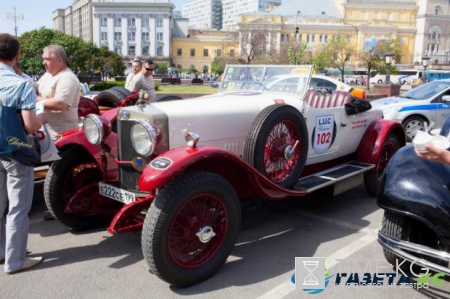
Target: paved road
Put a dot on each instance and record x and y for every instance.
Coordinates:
(98, 265)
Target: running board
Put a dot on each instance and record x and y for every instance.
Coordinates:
(332, 176)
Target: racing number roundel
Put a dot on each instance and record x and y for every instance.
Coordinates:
(323, 133)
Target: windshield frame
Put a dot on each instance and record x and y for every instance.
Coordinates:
(251, 78)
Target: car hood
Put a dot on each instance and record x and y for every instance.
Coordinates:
(215, 117)
(389, 102)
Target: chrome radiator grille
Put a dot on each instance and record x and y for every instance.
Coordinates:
(128, 176)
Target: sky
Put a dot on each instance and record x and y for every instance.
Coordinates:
(38, 13)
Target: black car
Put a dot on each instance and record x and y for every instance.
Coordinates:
(415, 196)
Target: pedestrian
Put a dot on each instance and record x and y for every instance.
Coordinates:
(136, 68)
(144, 80)
(59, 92)
(19, 72)
(16, 180)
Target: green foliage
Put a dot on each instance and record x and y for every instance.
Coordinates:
(295, 53)
(191, 70)
(83, 58)
(106, 85)
(218, 65)
(162, 67)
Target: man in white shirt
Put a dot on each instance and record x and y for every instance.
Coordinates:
(59, 91)
(136, 68)
(144, 80)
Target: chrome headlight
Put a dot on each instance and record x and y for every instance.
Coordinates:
(143, 138)
(93, 129)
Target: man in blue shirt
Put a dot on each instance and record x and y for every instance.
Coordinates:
(16, 180)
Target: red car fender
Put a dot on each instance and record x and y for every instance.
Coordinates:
(246, 180)
(76, 136)
(369, 149)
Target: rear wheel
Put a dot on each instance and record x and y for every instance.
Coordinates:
(191, 228)
(66, 177)
(277, 144)
(372, 178)
(413, 124)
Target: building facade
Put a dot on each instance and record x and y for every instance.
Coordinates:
(203, 14)
(233, 8)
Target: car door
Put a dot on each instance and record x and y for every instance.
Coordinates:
(441, 109)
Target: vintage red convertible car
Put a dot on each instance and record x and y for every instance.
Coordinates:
(179, 170)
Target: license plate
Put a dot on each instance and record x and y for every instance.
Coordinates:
(116, 193)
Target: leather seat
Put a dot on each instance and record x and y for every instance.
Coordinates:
(338, 98)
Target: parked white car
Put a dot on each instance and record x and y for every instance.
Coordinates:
(420, 105)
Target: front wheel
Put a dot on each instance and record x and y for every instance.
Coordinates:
(191, 228)
(372, 178)
(75, 171)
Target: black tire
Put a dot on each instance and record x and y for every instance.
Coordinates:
(123, 90)
(372, 178)
(166, 98)
(395, 226)
(66, 176)
(379, 81)
(281, 125)
(110, 98)
(412, 124)
(406, 229)
(187, 205)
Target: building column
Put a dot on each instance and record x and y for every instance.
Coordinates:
(152, 35)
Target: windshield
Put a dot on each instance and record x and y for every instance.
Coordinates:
(426, 91)
(285, 78)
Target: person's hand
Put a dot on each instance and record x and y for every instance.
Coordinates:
(435, 154)
(43, 117)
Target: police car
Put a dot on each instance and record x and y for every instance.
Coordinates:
(420, 105)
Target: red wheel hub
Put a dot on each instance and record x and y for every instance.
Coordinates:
(197, 230)
(283, 135)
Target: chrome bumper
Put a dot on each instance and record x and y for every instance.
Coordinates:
(398, 248)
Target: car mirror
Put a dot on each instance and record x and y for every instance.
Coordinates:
(446, 98)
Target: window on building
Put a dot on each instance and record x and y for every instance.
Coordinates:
(145, 36)
(159, 22)
(219, 52)
(232, 53)
(323, 38)
(118, 50)
(282, 37)
(205, 52)
(179, 52)
(117, 22)
(117, 35)
(159, 37)
(159, 51)
(132, 51)
(436, 9)
(145, 22)
(145, 50)
(131, 36)
(299, 37)
(103, 22)
(104, 36)
(192, 52)
(310, 38)
(131, 22)
(287, 37)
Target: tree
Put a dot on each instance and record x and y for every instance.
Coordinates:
(296, 52)
(336, 53)
(84, 58)
(373, 56)
(254, 44)
(218, 65)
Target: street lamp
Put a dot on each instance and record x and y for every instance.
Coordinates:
(14, 17)
(388, 56)
(425, 60)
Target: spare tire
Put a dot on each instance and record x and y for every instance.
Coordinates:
(277, 144)
(110, 98)
(123, 90)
